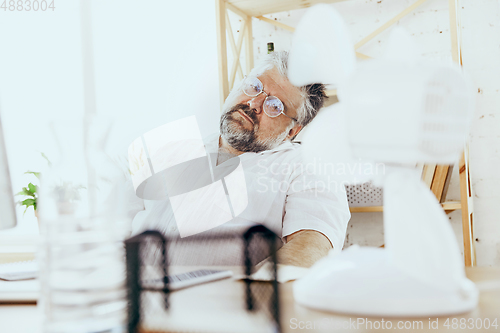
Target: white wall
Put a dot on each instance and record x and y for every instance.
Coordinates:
(155, 61)
(429, 24)
(481, 59)
(40, 79)
(148, 53)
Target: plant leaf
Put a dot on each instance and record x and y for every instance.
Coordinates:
(28, 202)
(36, 174)
(27, 192)
(32, 188)
(24, 192)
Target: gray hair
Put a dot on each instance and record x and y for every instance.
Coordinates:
(313, 95)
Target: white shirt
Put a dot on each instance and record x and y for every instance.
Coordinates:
(285, 194)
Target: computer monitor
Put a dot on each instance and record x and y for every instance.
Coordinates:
(7, 208)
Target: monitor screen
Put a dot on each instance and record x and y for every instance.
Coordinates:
(7, 209)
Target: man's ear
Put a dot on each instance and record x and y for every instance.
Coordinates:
(294, 131)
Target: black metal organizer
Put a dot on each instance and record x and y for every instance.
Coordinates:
(135, 264)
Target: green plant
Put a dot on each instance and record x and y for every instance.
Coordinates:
(30, 191)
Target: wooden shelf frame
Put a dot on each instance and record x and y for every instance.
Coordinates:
(448, 207)
(435, 176)
(225, 33)
(248, 9)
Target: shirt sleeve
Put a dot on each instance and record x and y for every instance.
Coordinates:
(317, 202)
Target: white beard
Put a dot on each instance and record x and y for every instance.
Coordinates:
(245, 140)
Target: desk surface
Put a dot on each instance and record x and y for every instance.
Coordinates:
(222, 301)
(224, 298)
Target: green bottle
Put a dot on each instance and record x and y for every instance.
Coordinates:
(270, 47)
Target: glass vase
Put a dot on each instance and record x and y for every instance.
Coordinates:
(83, 225)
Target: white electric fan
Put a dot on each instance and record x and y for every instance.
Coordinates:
(399, 111)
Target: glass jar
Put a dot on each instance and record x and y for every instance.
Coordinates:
(83, 226)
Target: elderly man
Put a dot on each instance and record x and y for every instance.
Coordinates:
(260, 118)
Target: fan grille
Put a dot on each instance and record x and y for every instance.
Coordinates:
(364, 195)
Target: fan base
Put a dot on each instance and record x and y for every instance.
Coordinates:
(361, 281)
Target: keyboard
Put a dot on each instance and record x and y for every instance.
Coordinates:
(22, 270)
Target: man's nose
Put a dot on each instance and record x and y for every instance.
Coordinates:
(257, 102)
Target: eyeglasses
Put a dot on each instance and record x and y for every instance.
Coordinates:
(273, 106)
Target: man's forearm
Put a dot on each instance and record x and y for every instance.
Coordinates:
(304, 248)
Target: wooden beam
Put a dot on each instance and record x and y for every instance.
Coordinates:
(439, 180)
(220, 21)
(241, 38)
(229, 30)
(362, 56)
(455, 50)
(292, 29)
(447, 206)
(249, 46)
(237, 63)
(366, 209)
(466, 195)
(428, 174)
(248, 34)
(237, 11)
(451, 205)
(447, 184)
(388, 24)
(263, 7)
(236, 52)
(467, 211)
(276, 23)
